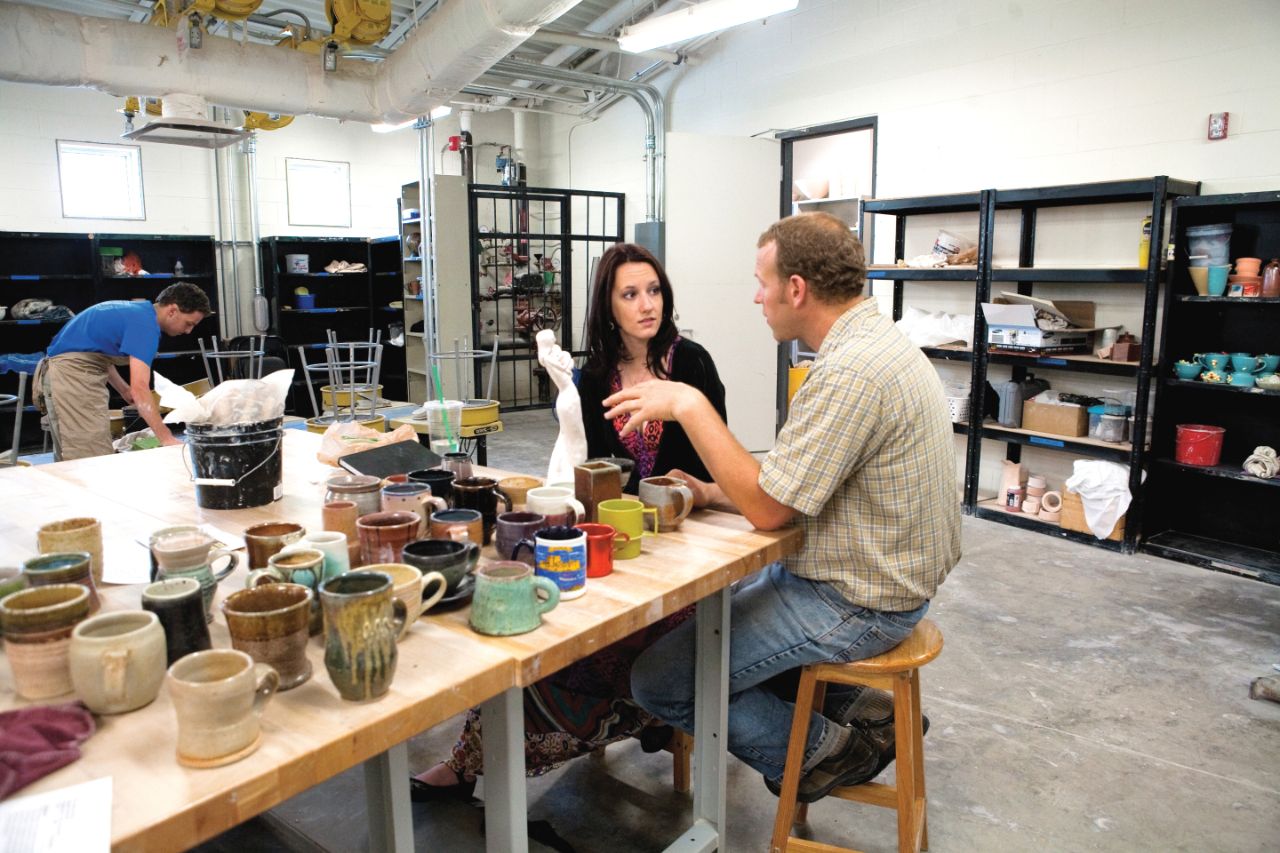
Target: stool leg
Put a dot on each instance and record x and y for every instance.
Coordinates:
(795, 760)
(918, 736)
(904, 725)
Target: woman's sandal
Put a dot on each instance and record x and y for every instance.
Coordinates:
(461, 791)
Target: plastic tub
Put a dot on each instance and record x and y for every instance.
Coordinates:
(1213, 241)
(1199, 444)
(297, 263)
(305, 301)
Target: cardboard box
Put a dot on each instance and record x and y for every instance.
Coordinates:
(1055, 418)
(1011, 325)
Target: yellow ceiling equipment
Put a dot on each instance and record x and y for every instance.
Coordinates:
(363, 21)
(265, 121)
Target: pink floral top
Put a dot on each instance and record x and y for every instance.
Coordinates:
(641, 445)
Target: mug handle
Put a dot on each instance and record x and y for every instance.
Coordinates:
(549, 587)
(523, 543)
(427, 579)
(686, 502)
(473, 556)
(231, 564)
(266, 681)
(258, 577)
(651, 513)
(504, 497)
(115, 664)
(580, 512)
(399, 617)
(620, 539)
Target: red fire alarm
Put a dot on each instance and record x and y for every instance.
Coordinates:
(455, 143)
(1218, 125)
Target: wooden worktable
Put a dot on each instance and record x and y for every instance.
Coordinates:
(309, 733)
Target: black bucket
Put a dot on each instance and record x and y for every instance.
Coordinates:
(238, 465)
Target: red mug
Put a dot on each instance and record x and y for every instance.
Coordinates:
(600, 544)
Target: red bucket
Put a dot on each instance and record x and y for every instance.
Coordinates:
(1199, 444)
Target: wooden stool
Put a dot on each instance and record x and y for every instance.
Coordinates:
(681, 748)
(897, 670)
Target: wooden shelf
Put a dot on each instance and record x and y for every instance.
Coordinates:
(993, 510)
(1083, 444)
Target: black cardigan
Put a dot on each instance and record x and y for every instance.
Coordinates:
(690, 364)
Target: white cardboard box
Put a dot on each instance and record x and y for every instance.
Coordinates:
(1013, 326)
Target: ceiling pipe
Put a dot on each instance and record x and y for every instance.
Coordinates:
(608, 44)
(54, 48)
(491, 90)
(649, 99)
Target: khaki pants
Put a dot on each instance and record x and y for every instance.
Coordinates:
(74, 385)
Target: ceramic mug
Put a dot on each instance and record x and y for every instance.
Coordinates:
(452, 559)
(1268, 363)
(602, 539)
(384, 534)
(218, 697)
(594, 482)
(117, 661)
(458, 463)
(175, 550)
(511, 528)
(560, 555)
(458, 524)
(671, 497)
(557, 503)
(412, 497)
(409, 583)
(207, 578)
(1214, 361)
(629, 516)
(333, 544)
(179, 605)
(340, 516)
(1187, 369)
(271, 624)
(481, 494)
(507, 600)
(63, 568)
(37, 625)
(517, 488)
(189, 529)
(263, 540)
(440, 481)
(362, 619)
(71, 535)
(1241, 379)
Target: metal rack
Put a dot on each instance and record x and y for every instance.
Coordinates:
(352, 368)
(214, 357)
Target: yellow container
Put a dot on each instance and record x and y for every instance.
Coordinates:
(318, 425)
(479, 412)
(795, 376)
(363, 394)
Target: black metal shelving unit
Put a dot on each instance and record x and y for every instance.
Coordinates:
(1028, 201)
(532, 259)
(387, 286)
(1217, 517)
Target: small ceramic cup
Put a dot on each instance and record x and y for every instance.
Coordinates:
(510, 599)
(362, 619)
(271, 623)
(263, 540)
(117, 660)
(218, 697)
(409, 584)
(452, 559)
(601, 541)
(384, 534)
(632, 518)
(179, 605)
(517, 488)
(459, 524)
(37, 625)
(74, 534)
(63, 568)
(671, 497)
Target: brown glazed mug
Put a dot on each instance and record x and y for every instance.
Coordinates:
(670, 496)
(481, 494)
(63, 568)
(362, 619)
(270, 623)
(37, 625)
(384, 534)
(517, 488)
(261, 541)
(341, 516)
(457, 524)
(74, 534)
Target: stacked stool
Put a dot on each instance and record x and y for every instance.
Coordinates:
(896, 671)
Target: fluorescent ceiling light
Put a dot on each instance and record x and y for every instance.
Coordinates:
(706, 17)
(438, 113)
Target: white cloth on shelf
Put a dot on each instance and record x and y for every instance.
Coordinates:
(934, 328)
(1104, 491)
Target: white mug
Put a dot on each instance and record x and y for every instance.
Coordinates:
(558, 504)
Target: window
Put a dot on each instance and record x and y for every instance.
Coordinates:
(319, 192)
(100, 181)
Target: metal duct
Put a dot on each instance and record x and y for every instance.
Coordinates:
(458, 43)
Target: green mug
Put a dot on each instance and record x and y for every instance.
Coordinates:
(628, 516)
(506, 600)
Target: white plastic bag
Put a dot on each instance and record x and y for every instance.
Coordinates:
(237, 401)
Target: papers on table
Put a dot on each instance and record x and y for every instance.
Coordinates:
(75, 819)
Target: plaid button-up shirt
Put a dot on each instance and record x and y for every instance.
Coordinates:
(867, 458)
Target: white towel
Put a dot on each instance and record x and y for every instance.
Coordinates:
(1104, 491)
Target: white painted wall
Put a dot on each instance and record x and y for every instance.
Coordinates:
(983, 93)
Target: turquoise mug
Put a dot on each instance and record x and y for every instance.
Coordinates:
(1241, 379)
(1268, 363)
(1243, 361)
(1186, 369)
(1215, 361)
(506, 600)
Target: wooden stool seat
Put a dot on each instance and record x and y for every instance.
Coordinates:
(898, 671)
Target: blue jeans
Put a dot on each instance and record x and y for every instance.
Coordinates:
(778, 623)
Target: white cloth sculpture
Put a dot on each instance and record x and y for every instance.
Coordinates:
(571, 445)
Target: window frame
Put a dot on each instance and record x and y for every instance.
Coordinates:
(307, 215)
(136, 157)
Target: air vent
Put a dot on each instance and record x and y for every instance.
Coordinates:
(195, 132)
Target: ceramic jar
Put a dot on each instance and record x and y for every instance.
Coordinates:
(117, 661)
(74, 534)
(364, 490)
(362, 619)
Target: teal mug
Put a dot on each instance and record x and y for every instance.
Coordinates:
(1268, 363)
(1215, 361)
(1246, 363)
(506, 600)
(1187, 369)
(1241, 379)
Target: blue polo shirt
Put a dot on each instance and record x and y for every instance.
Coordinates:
(112, 328)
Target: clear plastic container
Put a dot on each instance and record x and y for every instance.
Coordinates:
(444, 419)
(1209, 245)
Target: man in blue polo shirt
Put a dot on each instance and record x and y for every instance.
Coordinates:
(82, 361)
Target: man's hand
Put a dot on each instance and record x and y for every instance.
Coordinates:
(653, 400)
(169, 441)
(702, 494)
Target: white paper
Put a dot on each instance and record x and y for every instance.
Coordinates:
(75, 819)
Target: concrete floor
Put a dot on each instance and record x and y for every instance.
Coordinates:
(1084, 701)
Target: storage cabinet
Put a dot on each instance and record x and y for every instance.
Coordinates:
(388, 317)
(1217, 516)
(986, 280)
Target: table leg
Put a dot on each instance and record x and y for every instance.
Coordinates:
(17, 416)
(504, 786)
(482, 450)
(711, 722)
(386, 791)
